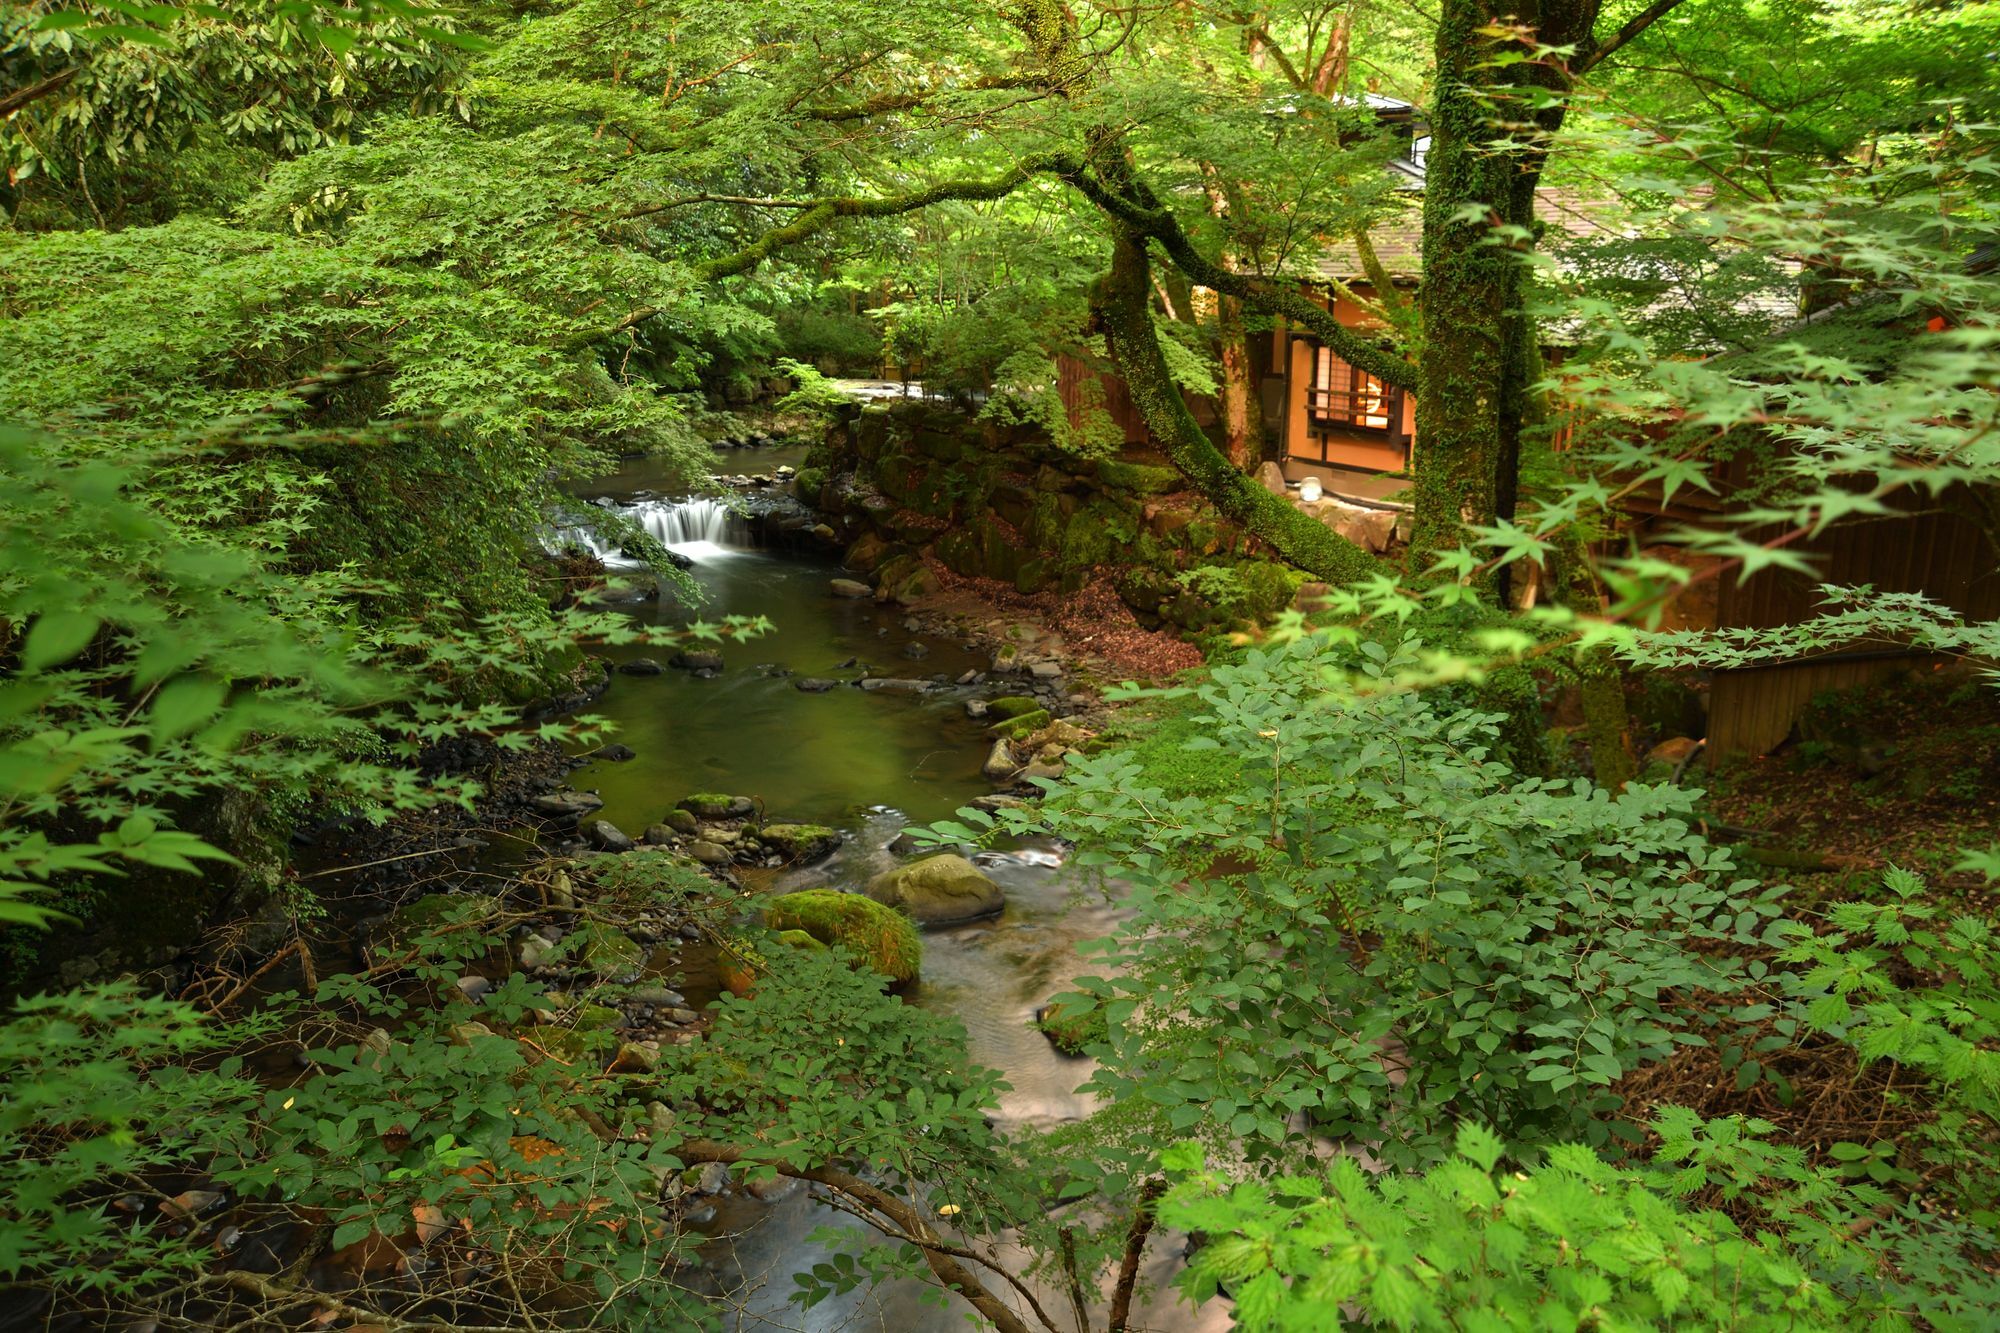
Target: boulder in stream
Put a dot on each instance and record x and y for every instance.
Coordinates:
(1069, 1028)
(850, 588)
(641, 666)
(939, 890)
(697, 659)
(567, 804)
(711, 853)
(800, 842)
(607, 836)
(1000, 765)
(714, 805)
(813, 685)
(883, 939)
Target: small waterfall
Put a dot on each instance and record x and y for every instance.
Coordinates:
(700, 528)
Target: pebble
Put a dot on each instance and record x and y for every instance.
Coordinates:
(472, 988)
(976, 708)
(659, 995)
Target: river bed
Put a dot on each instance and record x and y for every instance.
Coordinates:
(868, 763)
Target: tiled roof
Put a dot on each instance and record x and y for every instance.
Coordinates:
(1399, 239)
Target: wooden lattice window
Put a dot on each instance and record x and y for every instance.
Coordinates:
(1348, 398)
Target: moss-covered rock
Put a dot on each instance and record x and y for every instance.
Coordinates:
(1019, 728)
(1012, 705)
(800, 842)
(1070, 1031)
(867, 553)
(714, 805)
(883, 939)
(939, 890)
(907, 578)
(808, 484)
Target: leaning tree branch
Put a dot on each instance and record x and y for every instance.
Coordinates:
(1128, 1263)
(826, 211)
(814, 216)
(1124, 306)
(953, 1274)
(1377, 358)
(1633, 26)
(35, 92)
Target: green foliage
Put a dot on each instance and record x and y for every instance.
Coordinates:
(134, 85)
(95, 1096)
(1902, 982)
(811, 391)
(1392, 926)
(833, 342)
(1252, 590)
(1570, 1244)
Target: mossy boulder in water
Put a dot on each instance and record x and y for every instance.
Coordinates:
(800, 842)
(714, 805)
(1068, 1030)
(1013, 705)
(883, 939)
(1021, 727)
(939, 890)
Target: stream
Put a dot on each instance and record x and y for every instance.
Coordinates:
(868, 763)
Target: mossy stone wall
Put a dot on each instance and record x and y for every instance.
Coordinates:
(925, 481)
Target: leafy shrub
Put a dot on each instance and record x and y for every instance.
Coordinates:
(1378, 926)
(1572, 1244)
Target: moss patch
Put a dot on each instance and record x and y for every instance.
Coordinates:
(1012, 705)
(1016, 728)
(800, 842)
(884, 939)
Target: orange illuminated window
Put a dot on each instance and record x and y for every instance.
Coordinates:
(1343, 396)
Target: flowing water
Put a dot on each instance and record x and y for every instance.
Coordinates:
(869, 763)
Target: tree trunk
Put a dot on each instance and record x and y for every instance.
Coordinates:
(1123, 299)
(1242, 411)
(1476, 338)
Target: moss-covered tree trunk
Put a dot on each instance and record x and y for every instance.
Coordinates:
(1476, 339)
(1124, 306)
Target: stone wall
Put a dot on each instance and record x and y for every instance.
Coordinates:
(918, 484)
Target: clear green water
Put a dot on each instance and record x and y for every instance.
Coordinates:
(811, 758)
(867, 763)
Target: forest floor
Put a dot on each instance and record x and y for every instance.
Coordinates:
(1906, 773)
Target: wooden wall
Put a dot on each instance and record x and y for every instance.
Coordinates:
(1939, 547)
